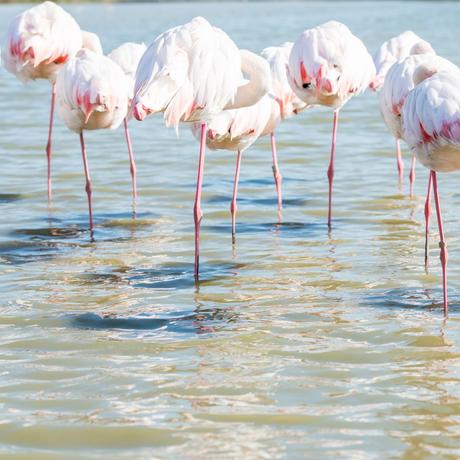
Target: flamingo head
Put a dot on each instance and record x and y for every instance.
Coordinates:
(376, 83)
(140, 111)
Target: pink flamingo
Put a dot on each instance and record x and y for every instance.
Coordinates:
(431, 120)
(327, 66)
(236, 130)
(289, 103)
(127, 56)
(398, 82)
(191, 73)
(389, 54)
(392, 51)
(92, 93)
(39, 42)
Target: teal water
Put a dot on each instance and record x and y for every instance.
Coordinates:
(296, 344)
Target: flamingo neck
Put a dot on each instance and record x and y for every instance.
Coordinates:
(257, 71)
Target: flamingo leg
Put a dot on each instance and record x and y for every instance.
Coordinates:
(427, 219)
(233, 207)
(276, 173)
(442, 243)
(88, 182)
(412, 176)
(131, 161)
(330, 170)
(197, 212)
(49, 144)
(399, 160)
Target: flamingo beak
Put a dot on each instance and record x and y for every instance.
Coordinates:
(88, 115)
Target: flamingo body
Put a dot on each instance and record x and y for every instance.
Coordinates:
(128, 56)
(328, 65)
(395, 49)
(278, 59)
(92, 92)
(431, 117)
(237, 129)
(399, 82)
(190, 72)
(39, 41)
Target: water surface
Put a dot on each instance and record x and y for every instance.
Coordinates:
(296, 344)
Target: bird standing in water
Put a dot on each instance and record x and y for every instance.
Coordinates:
(92, 93)
(288, 103)
(431, 120)
(127, 56)
(39, 42)
(191, 73)
(327, 66)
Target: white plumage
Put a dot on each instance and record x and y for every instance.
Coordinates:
(39, 41)
(128, 56)
(431, 118)
(395, 49)
(237, 129)
(188, 69)
(192, 72)
(92, 92)
(328, 65)
(278, 59)
(399, 82)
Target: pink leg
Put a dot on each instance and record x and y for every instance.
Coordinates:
(330, 170)
(399, 160)
(276, 173)
(235, 192)
(412, 176)
(88, 181)
(131, 161)
(442, 243)
(197, 212)
(49, 145)
(427, 219)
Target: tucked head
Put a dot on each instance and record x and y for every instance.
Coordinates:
(422, 47)
(424, 71)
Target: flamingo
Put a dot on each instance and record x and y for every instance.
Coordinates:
(289, 103)
(327, 66)
(92, 93)
(91, 41)
(191, 73)
(39, 42)
(431, 120)
(392, 51)
(398, 82)
(127, 56)
(236, 130)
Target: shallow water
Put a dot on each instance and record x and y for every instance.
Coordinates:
(295, 344)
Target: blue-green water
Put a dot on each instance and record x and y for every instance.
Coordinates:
(297, 344)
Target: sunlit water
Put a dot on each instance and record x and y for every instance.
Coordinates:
(296, 343)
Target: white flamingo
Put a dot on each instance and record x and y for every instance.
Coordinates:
(392, 51)
(92, 93)
(431, 119)
(39, 42)
(327, 66)
(236, 130)
(398, 82)
(127, 56)
(289, 103)
(191, 73)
